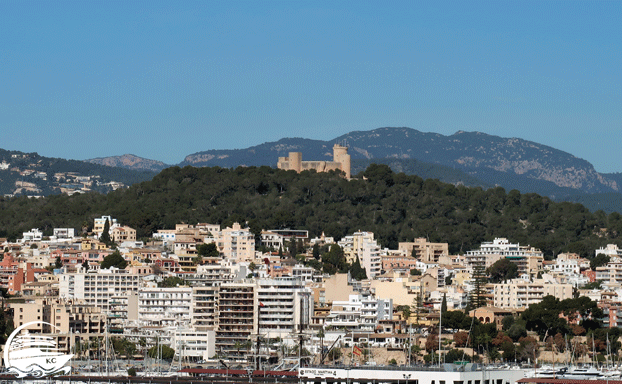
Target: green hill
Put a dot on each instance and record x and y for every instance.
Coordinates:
(396, 207)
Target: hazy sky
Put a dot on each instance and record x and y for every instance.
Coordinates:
(162, 80)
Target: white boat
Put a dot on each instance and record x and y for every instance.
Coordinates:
(582, 373)
(547, 372)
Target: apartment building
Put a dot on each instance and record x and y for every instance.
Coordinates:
(611, 273)
(424, 250)
(33, 235)
(610, 250)
(70, 319)
(96, 288)
(194, 345)
(236, 243)
(123, 308)
(361, 313)
(167, 236)
(100, 222)
(285, 306)
(12, 276)
(64, 233)
(398, 262)
(237, 317)
(528, 259)
(186, 240)
(165, 306)
(120, 234)
(306, 274)
(522, 293)
(272, 240)
(363, 246)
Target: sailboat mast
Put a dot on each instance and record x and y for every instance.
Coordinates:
(440, 326)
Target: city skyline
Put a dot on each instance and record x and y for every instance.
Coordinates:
(162, 80)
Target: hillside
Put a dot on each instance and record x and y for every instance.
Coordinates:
(33, 175)
(132, 162)
(493, 160)
(396, 207)
(423, 170)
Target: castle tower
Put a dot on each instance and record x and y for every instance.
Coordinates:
(340, 155)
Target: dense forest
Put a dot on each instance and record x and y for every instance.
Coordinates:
(396, 207)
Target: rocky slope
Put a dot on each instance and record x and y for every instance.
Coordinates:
(509, 162)
(130, 162)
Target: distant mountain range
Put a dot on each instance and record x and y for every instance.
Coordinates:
(469, 158)
(132, 162)
(28, 174)
(509, 162)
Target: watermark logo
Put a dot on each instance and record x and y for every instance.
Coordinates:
(35, 355)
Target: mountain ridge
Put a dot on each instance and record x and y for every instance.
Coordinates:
(468, 158)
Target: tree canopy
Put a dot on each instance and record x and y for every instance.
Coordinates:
(544, 317)
(502, 270)
(115, 259)
(394, 206)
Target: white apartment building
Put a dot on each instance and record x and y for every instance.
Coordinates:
(528, 259)
(194, 345)
(306, 274)
(96, 288)
(363, 246)
(165, 306)
(521, 293)
(285, 306)
(64, 233)
(167, 236)
(272, 240)
(361, 313)
(566, 267)
(456, 298)
(33, 235)
(100, 222)
(610, 250)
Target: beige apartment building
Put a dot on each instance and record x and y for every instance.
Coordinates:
(341, 162)
(236, 243)
(424, 250)
(187, 238)
(120, 234)
(237, 317)
(364, 246)
(521, 294)
(71, 319)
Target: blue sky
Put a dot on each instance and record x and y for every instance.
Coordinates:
(162, 80)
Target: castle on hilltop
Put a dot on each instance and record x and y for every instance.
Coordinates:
(341, 161)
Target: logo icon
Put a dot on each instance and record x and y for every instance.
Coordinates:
(33, 354)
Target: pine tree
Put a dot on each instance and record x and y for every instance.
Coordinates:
(105, 236)
(316, 251)
(477, 298)
(357, 271)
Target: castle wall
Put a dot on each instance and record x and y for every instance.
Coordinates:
(341, 161)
